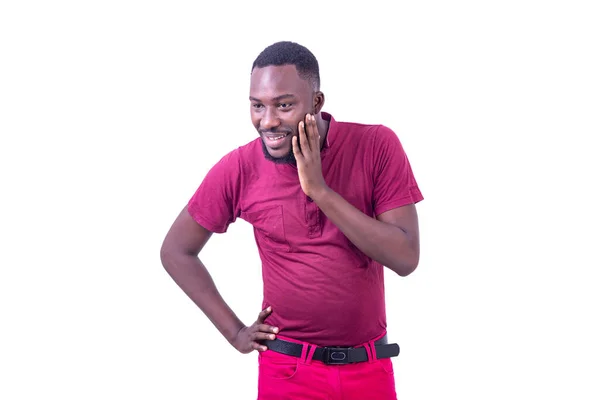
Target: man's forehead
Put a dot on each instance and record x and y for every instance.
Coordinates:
(273, 78)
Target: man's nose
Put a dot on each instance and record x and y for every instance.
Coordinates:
(270, 120)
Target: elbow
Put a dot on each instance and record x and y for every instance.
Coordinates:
(168, 255)
(172, 256)
(406, 269)
(165, 256)
(405, 266)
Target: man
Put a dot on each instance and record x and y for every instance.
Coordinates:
(331, 203)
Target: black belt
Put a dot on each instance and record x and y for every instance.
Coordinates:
(335, 354)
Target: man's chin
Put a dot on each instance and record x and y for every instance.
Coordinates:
(279, 156)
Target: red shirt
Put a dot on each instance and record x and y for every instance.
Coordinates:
(323, 290)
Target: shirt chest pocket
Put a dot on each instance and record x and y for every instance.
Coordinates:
(268, 228)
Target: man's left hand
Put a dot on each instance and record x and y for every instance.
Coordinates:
(308, 157)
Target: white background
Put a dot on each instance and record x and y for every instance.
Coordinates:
(112, 112)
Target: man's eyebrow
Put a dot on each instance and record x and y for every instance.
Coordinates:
(278, 98)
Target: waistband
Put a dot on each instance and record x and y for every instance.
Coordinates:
(335, 355)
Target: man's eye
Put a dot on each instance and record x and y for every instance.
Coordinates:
(257, 105)
(285, 105)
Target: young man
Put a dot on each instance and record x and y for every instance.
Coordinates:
(331, 203)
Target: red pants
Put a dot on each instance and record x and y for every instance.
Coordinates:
(283, 377)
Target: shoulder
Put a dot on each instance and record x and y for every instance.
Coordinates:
(356, 128)
(373, 136)
(361, 129)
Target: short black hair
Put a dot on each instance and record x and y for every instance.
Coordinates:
(290, 53)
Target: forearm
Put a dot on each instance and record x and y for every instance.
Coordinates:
(194, 279)
(385, 243)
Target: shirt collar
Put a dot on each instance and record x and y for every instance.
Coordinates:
(332, 131)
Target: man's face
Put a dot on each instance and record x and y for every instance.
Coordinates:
(279, 100)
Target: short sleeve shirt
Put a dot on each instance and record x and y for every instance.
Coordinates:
(322, 288)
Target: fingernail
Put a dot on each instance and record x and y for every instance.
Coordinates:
(272, 337)
(275, 330)
(269, 308)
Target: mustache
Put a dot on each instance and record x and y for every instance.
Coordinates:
(264, 131)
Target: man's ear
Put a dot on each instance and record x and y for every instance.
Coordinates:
(318, 102)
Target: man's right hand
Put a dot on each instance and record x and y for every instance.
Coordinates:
(248, 338)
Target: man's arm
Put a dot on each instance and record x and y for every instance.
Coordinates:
(392, 239)
(179, 256)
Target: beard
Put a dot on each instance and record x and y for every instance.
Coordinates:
(289, 158)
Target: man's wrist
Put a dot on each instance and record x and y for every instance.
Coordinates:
(321, 193)
(232, 333)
